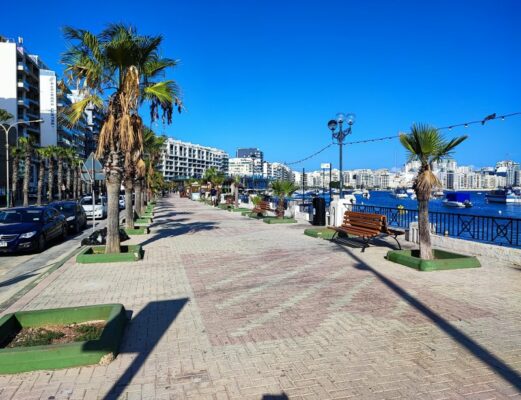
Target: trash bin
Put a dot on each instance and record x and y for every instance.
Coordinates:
(319, 211)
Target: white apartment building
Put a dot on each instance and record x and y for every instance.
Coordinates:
(244, 166)
(276, 171)
(184, 160)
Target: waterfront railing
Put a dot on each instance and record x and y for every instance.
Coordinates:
(502, 231)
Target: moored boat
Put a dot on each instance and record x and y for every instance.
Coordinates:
(504, 196)
(457, 200)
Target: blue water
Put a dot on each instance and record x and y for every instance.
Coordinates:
(480, 205)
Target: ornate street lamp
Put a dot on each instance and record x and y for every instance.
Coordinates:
(336, 126)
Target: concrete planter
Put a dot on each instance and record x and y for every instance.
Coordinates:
(275, 220)
(96, 254)
(138, 221)
(443, 260)
(144, 230)
(22, 359)
(323, 233)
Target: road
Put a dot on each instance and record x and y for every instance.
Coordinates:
(18, 270)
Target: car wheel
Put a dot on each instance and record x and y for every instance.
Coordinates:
(41, 243)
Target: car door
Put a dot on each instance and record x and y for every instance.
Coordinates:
(49, 224)
(80, 215)
(58, 219)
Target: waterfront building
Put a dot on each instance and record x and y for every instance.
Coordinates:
(70, 136)
(244, 166)
(276, 171)
(183, 160)
(507, 169)
(254, 154)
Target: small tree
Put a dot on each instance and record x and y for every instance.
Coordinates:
(426, 145)
(282, 189)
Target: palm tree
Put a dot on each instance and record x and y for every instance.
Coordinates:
(217, 181)
(51, 152)
(153, 146)
(236, 181)
(426, 145)
(27, 146)
(16, 154)
(281, 189)
(69, 155)
(61, 156)
(42, 153)
(119, 69)
(5, 116)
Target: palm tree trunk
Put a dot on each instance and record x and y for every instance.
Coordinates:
(236, 193)
(50, 180)
(27, 176)
(41, 176)
(113, 177)
(139, 197)
(129, 210)
(80, 191)
(60, 178)
(14, 183)
(280, 207)
(74, 184)
(424, 227)
(68, 182)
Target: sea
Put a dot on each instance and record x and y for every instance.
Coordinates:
(480, 205)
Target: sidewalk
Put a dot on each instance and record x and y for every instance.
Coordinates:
(226, 307)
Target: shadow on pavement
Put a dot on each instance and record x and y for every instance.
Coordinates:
(144, 332)
(18, 278)
(493, 362)
(282, 396)
(180, 229)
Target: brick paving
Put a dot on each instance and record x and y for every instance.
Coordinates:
(225, 307)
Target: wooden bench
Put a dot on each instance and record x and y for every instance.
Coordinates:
(262, 208)
(366, 226)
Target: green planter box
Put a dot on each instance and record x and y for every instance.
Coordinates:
(275, 220)
(144, 230)
(443, 260)
(96, 254)
(143, 221)
(323, 233)
(22, 359)
(249, 214)
(240, 209)
(147, 215)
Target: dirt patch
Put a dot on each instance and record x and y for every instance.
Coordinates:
(56, 334)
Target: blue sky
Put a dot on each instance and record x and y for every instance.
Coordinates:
(270, 74)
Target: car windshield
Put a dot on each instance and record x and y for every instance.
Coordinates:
(65, 207)
(16, 216)
(87, 201)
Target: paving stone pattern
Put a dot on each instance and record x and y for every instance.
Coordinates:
(226, 307)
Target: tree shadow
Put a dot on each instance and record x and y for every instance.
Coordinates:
(180, 229)
(17, 279)
(142, 335)
(481, 353)
(282, 396)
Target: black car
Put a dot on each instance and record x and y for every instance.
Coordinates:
(74, 214)
(30, 228)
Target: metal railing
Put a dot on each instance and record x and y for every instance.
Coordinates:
(502, 231)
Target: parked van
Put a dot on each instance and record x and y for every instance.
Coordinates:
(99, 211)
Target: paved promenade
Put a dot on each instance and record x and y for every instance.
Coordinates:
(226, 307)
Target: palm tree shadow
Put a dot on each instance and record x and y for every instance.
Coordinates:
(282, 396)
(143, 333)
(180, 229)
(481, 353)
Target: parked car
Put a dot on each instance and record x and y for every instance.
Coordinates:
(74, 214)
(121, 201)
(30, 228)
(99, 210)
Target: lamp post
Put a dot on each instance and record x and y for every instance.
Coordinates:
(6, 130)
(339, 135)
(253, 157)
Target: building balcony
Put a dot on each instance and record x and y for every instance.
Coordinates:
(23, 84)
(24, 103)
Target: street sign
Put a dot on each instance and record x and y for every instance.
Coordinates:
(92, 167)
(325, 166)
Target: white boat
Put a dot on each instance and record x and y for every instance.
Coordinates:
(366, 194)
(400, 194)
(359, 192)
(504, 196)
(457, 200)
(413, 196)
(437, 194)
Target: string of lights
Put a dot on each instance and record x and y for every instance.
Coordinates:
(482, 122)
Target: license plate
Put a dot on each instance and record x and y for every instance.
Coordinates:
(3, 244)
